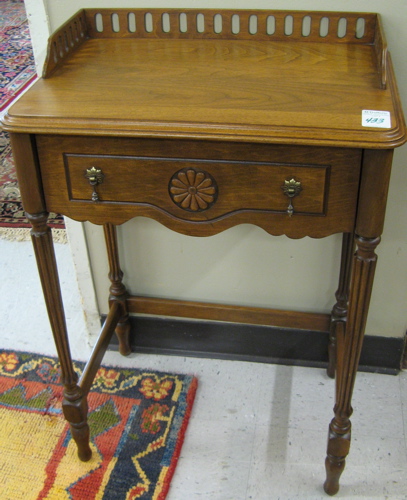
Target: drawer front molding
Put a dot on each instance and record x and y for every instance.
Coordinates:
(201, 191)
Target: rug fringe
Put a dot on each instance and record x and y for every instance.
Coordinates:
(23, 234)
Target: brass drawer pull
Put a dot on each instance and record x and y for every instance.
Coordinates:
(95, 176)
(291, 188)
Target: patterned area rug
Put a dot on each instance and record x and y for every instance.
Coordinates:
(17, 71)
(137, 420)
(17, 66)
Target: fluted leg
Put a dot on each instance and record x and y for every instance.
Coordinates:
(340, 309)
(364, 264)
(74, 404)
(117, 289)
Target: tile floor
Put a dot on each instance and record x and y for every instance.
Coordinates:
(257, 432)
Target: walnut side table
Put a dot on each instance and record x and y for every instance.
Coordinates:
(202, 120)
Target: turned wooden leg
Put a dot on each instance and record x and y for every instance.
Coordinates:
(340, 309)
(74, 404)
(117, 289)
(350, 346)
(75, 408)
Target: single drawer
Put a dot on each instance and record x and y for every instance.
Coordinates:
(119, 179)
(197, 189)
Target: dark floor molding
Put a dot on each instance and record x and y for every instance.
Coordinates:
(210, 339)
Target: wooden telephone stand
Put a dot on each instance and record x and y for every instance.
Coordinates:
(202, 120)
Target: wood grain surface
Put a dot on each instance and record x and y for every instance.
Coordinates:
(231, 108)
(281, 92)
(138, 173)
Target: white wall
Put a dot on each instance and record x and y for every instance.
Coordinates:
(244, 265)
(40, 30)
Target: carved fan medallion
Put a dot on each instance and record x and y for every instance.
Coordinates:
(193, 190)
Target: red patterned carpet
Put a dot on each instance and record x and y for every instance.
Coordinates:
(17, 66)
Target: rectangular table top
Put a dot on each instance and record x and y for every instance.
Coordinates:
(247, 90)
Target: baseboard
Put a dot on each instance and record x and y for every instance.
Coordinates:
(219, 340)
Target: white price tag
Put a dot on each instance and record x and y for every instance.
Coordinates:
(378, 119)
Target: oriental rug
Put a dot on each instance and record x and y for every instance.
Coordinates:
(137, 419)
(17, 66)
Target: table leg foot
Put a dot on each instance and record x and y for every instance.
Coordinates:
(338, 449)
(123, 335)
(334, 470)
(80, 434)
(75, 408)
